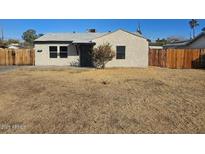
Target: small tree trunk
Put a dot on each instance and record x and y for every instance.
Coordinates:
(103, 66)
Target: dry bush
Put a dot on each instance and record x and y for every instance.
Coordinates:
(102, 54)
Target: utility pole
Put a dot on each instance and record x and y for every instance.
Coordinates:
(2, 34)
(139, 29)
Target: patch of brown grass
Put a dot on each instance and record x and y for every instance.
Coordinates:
(117, 100)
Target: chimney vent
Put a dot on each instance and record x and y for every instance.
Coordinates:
(91, 30)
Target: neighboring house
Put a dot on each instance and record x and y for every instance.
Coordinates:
(72, 48)
(155, 47)
(197, 42)
(14, 46)
(175, 45)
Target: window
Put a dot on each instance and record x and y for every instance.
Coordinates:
(53, 51)
(63, 51)
(120, 52)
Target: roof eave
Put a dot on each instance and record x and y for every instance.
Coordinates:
(121, 30)
(200, 35)
(51, 41)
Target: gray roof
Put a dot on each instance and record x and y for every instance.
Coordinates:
(196, 38)
(185, 43)
(176, 44)
(75, 37)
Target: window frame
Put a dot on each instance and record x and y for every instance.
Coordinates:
(120, 54)
(53, 52)
(61, 52)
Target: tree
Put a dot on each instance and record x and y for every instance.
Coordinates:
(172, 39)
(10, 41)
(193, 24)
(161, 42)
(102, 54)
(29, 36)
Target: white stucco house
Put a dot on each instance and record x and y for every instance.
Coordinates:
(73, 48)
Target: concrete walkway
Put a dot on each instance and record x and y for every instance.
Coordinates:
(5, 69)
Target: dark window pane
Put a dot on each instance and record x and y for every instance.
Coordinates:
(63, 54)
(53, 51)
(53, 48)
(53, 55)
(63, 48)
(63, 51)
(120, 52)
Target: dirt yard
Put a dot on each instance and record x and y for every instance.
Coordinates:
(63, 100)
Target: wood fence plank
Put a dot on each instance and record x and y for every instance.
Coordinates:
(17, 57)
(177, 58)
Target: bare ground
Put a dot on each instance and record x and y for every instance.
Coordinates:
(153, 100)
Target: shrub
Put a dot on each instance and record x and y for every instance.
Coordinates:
(102, 54)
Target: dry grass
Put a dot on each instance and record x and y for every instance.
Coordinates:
(153, 100)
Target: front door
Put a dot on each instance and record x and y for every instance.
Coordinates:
(85, 56)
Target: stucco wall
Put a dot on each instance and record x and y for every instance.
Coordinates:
(43, 58)
(136, 53)
(199, 43)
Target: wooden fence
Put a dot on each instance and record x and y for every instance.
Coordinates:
(17, 57)
(177, 58)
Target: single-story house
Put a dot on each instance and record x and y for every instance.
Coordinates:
(155, 47)
(197, 42)
(178, 44)
(14, 46)
(73, 48)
